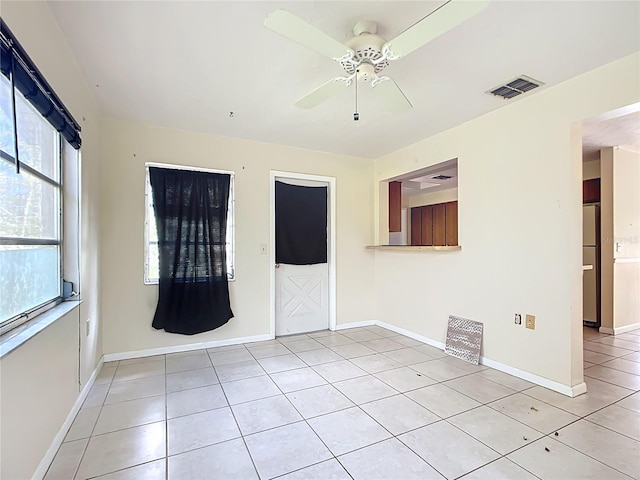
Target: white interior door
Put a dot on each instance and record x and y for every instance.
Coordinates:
(302, 291)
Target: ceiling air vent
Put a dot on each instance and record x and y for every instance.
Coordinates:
(516, 87)
(441, 177)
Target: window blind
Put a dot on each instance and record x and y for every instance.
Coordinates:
(15, 62)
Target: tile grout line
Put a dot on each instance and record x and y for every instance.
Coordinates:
(496, 460)
(398, 393)
(580, 452)
(84, 450)
(273, 428)
(305, 420)
(487, 405)
(166, 423)
(233, 414)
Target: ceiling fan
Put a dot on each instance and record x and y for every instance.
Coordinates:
(365, 55)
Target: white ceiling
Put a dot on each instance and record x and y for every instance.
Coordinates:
(187, 64)
(623, 131)
(422, 181)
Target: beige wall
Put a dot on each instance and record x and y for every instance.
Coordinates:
(520, 235)
(620, 208)
(39, 386)
(449, 195)
(626, 203)
(626, 233)
(128, 305)
(45, 369)
(591, 169)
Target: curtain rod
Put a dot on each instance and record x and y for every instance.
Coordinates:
(186, 167)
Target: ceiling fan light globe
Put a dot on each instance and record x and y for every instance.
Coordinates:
(366, 72)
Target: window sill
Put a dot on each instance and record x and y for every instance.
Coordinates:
(16, 337)
(155, 282)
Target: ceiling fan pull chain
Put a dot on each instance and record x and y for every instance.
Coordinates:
(356, 115)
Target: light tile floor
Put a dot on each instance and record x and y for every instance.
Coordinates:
(364, 403)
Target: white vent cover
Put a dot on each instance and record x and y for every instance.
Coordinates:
(515, 87)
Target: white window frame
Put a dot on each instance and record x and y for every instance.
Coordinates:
(7, 324)
(231, 224)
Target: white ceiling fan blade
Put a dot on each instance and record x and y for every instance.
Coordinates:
(433, 25)
(322, 93)
(392, 97)
(299, 31)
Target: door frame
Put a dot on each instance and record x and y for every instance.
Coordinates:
(331, 241)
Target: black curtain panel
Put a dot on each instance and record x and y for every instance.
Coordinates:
(191, 218)
(301, 224)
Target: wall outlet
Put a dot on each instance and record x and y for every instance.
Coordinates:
(518, 319)
(530, 322)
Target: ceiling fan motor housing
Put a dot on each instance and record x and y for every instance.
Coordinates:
(367, 49)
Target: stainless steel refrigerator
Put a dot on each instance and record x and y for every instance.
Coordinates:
(591, 257)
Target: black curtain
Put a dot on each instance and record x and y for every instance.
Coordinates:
(301, 224)
(191, 218)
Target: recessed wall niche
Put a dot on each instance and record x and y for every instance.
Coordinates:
(424, 205)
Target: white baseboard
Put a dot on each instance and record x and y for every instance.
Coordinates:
(619, 330)
(112, 357)
(537, 379)
(365, 323)
(578, 389)
(410, 334)
(516, 372)
(48, 457)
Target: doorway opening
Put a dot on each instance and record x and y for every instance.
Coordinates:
(610, 177)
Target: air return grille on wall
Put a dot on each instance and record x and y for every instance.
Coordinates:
(515, 87)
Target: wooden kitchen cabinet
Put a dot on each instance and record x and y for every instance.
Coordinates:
(591, 191)
(435, 225)
(395, 206)
(451, 223)
(426, 233)
(416, 226)
(439, 224)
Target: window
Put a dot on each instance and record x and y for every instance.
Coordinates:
(39, 165)
(30, 210)
(151, 267)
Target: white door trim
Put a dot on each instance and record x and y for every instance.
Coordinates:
(331, 247)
